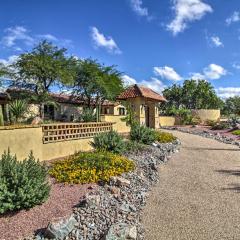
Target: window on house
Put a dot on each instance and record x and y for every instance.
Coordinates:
(106, 111)
(121, 111)
(49, 112)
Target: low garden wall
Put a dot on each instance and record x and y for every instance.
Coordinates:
(119, 125)
(167, 121)
(50, 141)
(207, 114)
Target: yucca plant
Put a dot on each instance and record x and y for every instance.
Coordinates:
(17, 109)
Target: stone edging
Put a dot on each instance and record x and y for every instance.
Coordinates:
(113, 210)
(206, 134)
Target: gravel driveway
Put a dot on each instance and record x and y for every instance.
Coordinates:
(198, 195)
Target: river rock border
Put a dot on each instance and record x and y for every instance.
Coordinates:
(112, 211)
(206, 134)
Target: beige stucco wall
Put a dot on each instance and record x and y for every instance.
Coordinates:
(119, 125)
(65, 148)
(207, 114)
(166, 121)
(23, 140)
(137, 106)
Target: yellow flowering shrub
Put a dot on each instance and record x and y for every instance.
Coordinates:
(164, 137)
(90, 167)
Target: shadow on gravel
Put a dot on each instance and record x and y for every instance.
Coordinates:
(209, 149)
(232, 187)
(229, 172)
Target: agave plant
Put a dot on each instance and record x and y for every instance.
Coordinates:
(17, 109)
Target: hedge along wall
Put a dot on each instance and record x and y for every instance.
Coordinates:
(50, 141)
(119, 125)
(207, 114)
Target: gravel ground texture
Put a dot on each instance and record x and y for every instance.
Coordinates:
(62, 199)
(198, 193)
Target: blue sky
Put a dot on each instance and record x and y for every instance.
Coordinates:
(153, 42)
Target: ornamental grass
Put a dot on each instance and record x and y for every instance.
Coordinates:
(90, 167)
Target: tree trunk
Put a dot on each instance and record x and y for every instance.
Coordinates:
(41, 111)
(6, 114)
(1, 116)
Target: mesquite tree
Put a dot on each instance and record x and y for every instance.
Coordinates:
(42, 68)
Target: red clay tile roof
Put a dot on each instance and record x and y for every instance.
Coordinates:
(58, 97)
(140, 91)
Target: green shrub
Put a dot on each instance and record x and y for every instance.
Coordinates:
(133, 146)
(109, 141)
(142, 134)
(211, 123)
(220, 126)
(236, 132)
(23, 184)
(88, 115)
(90, 167)
(164, 137)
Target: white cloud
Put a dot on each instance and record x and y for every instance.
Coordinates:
(226, 92)
(187, 11)
(10, 60)
(197, 76)
(167, 73)
(127, 80)
(138, 8)
(216, 41)
(214, 71)
(48, 37)
(155, 84)
(18, 35)
(105, 42)
(235, 17)
(14, 34)
(236, 65)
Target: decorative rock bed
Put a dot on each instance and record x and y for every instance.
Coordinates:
(204, 133)
(113, 211)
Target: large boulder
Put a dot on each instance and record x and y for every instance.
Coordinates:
(121, 231)
(60, 228)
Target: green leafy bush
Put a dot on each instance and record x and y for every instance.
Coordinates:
(133, 146)
(88, 115)
(142, 134)
(23, 184)
(236, 132)
(164, 137)
(211, 123)
(90, 167)
(109, 141)
(220, 126)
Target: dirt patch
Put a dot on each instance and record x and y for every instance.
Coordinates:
(63, 197)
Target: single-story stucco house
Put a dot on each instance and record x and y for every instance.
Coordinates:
(66, 109)
(145, 103)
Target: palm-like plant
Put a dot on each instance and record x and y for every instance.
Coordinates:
(17, 109)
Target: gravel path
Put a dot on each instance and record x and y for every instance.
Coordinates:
(198, 195)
